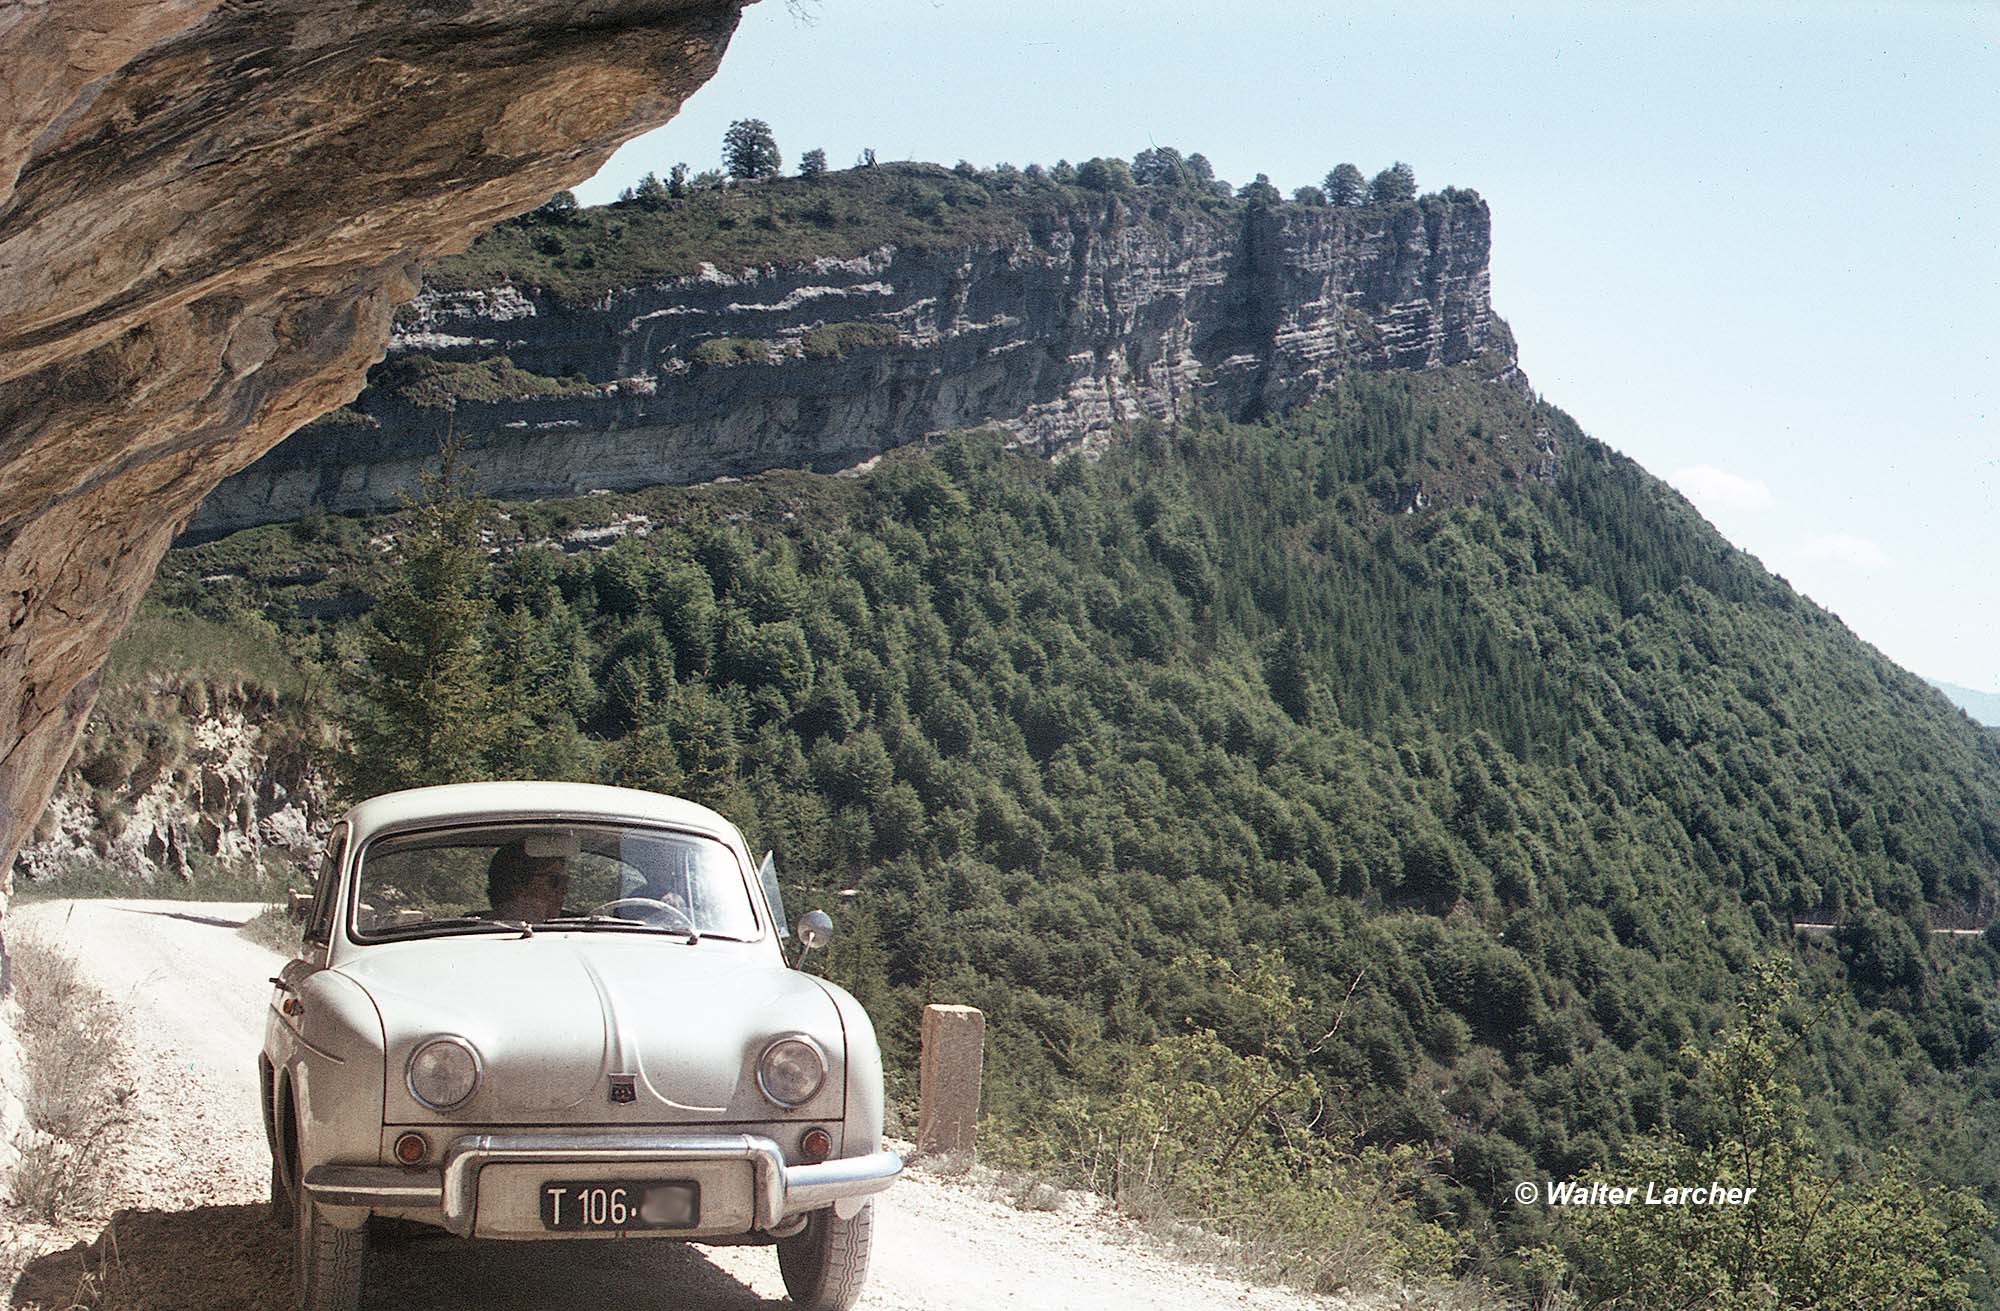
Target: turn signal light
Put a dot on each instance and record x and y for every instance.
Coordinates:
(411, 1149)
(816, 1146)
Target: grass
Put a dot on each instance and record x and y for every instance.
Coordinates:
(1240, 1247)
(168, 671)
(208, 879)
(78, 1097)
(238, 654)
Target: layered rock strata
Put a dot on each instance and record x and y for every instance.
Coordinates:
(208, 213)
(1057, 331)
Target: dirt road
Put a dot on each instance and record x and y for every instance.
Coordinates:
(190, 1232)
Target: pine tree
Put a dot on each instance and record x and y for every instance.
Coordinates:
(1345, 186)
(422, 706)
(651, 191)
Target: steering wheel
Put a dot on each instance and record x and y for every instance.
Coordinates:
(646, 903)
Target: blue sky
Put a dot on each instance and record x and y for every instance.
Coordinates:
(1756, 247)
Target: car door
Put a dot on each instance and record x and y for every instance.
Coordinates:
(315, 942)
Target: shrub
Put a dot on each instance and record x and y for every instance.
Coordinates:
(273, 927)
(1233, 1152)
(1804, 1238)
(723, 352)
(439, 384)
(1105, 175)
(835, 340)
(77, 1095)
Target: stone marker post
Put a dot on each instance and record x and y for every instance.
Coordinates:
(948, 1079)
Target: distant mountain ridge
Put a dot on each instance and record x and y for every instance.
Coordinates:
(1984, 707)
(816, 323)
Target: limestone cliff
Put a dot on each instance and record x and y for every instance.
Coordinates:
(1080, 311)
(208, 212)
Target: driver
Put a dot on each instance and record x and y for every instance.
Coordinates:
(524, 887)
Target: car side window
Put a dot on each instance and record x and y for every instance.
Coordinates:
(319, 924)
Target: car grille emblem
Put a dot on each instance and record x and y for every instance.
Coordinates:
(623, 1089)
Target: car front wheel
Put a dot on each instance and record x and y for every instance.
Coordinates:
(326, 1261)
(281, 1202)
(825, 1265)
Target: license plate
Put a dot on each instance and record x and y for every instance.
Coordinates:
(621, 1204)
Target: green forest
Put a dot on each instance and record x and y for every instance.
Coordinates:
(1438, 836)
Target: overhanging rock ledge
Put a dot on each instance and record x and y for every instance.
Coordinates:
(208, 212)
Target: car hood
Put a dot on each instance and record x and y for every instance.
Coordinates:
(554, 1017)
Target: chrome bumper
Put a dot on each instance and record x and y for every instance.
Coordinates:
(781, 1191)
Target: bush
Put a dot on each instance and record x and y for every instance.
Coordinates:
(77, 1095)
(1804, 1238)
(1233, 1151)
(835, 340)
(275, 928)
(1105, 175)
(723, 352)
(439, 384)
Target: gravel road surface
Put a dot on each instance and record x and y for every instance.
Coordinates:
(190, 1232)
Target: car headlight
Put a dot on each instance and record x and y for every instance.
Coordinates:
(443, 1073)
(791, 1070)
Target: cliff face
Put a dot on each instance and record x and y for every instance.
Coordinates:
(207, 215)
(1100, 313)
(175, 777)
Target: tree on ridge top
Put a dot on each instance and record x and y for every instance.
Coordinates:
(749, 151)
(1394, 184)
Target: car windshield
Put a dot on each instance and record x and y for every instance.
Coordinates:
(585, 876)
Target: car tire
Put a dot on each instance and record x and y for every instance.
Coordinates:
(326, 1261)
(825, 1266)
(280, 1205)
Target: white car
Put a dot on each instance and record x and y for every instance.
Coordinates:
(559, 1012)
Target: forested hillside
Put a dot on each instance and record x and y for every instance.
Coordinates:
(1512, 788)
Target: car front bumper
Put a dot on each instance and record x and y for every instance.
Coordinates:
(780, 1191)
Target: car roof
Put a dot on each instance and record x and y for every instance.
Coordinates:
(453, 802)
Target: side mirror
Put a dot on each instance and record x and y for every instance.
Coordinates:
(297, 905)
(815, 929)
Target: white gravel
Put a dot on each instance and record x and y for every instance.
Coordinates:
(190, 1233)
(193, 990)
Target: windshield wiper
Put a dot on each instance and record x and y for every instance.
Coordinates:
(456, 924)
(619, 921)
